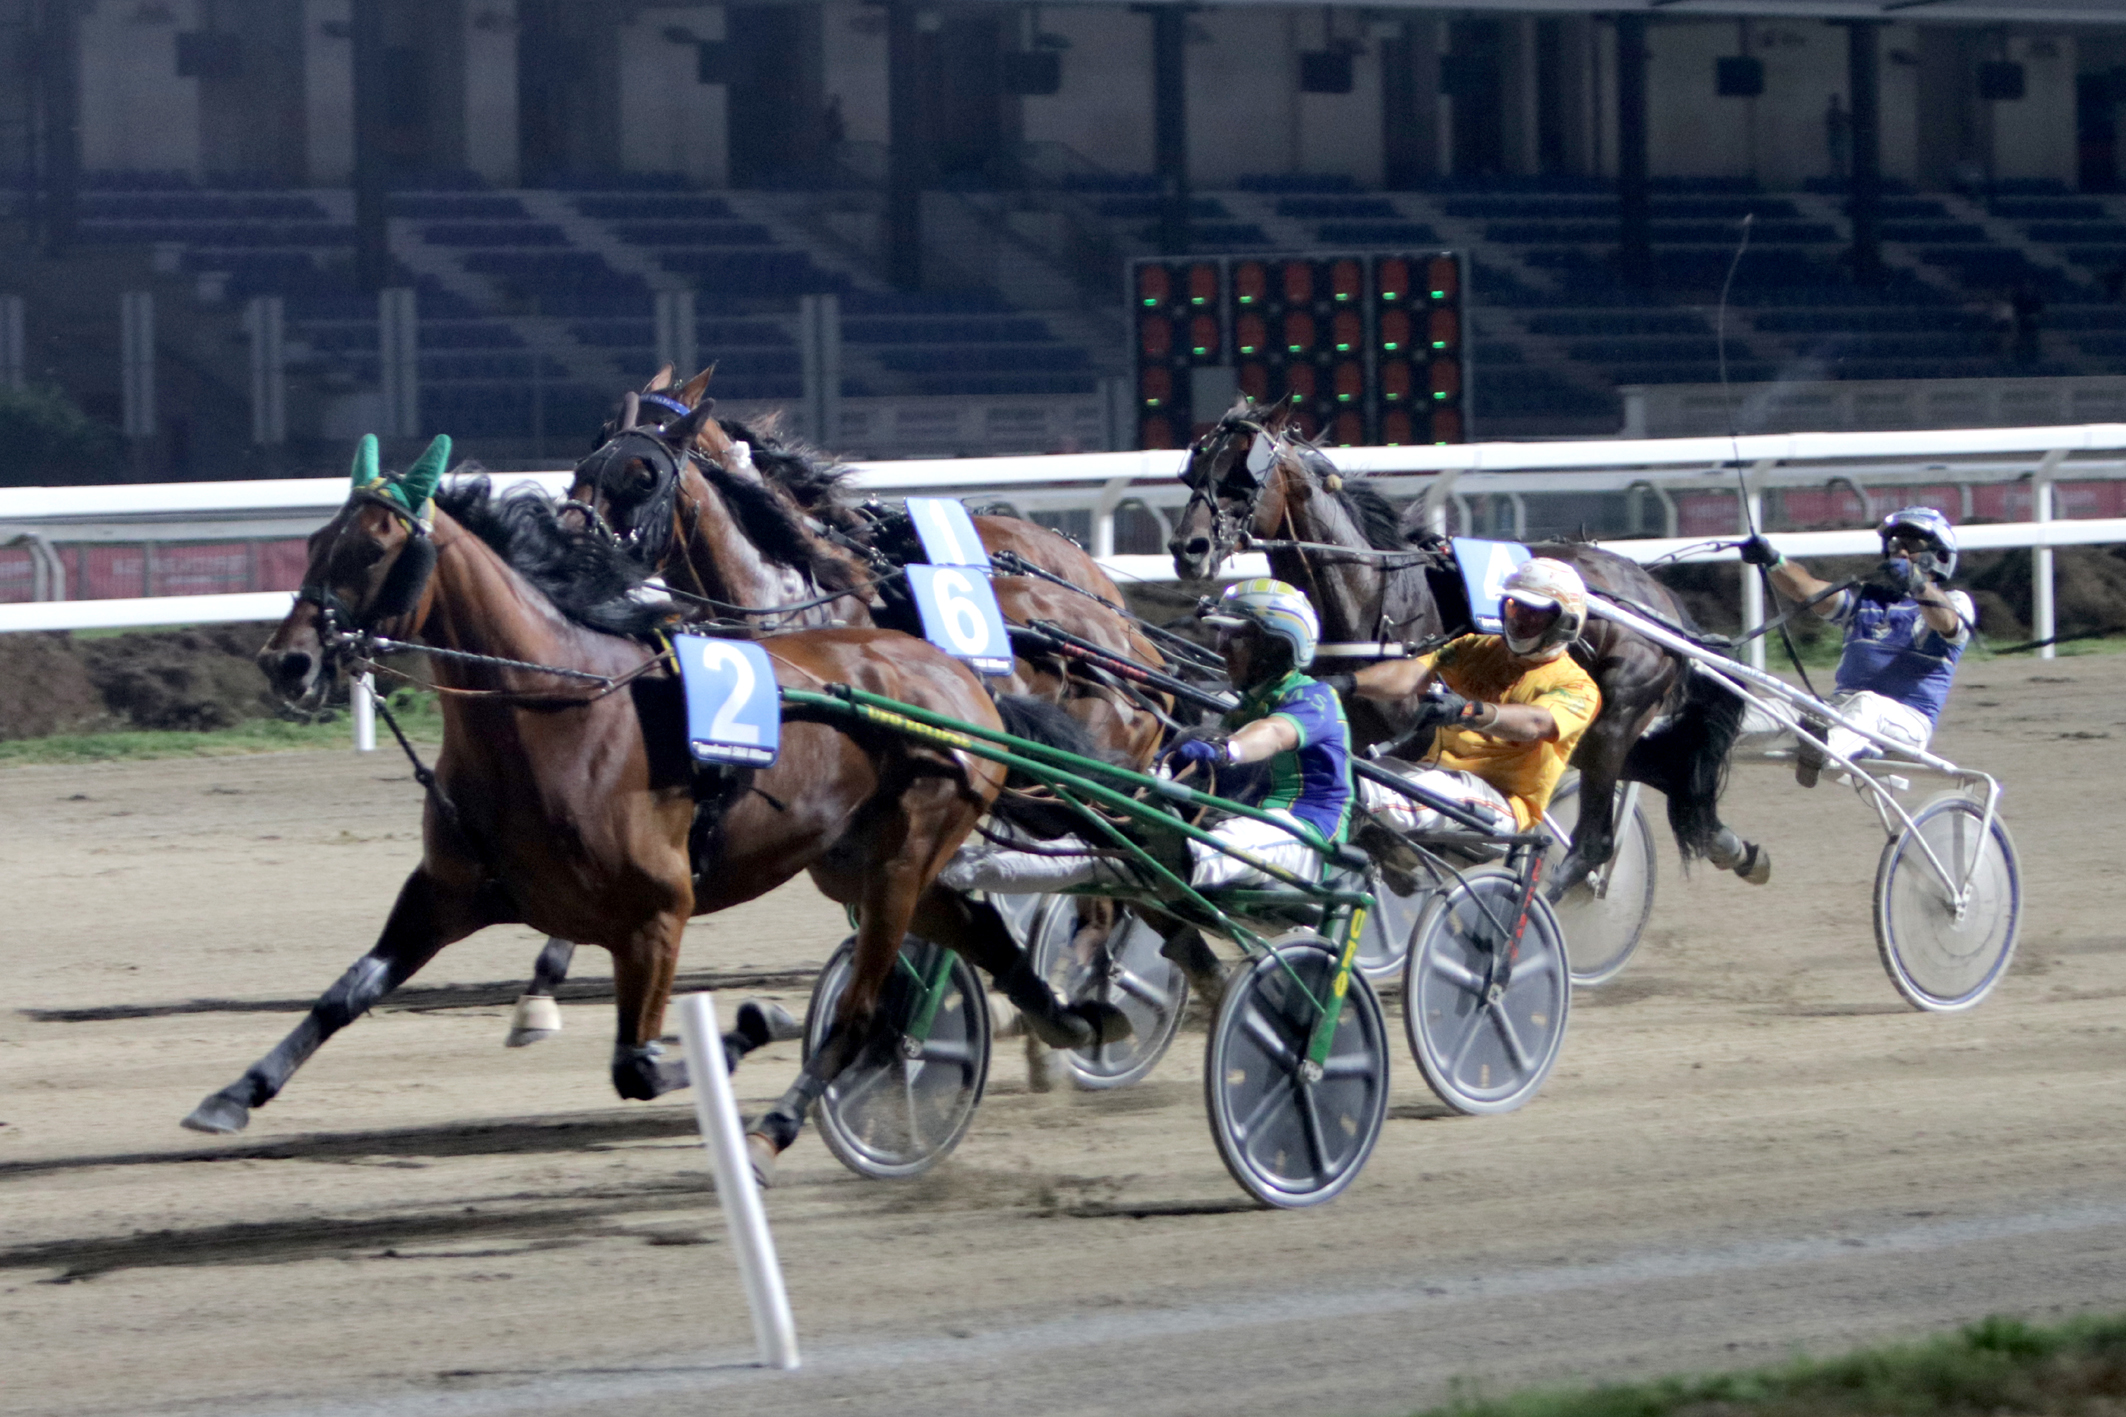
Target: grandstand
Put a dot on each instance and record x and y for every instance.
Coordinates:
(976, 256)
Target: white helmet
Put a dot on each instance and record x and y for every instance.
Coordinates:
(1275, 607)
(1930, 524)
(1546, 585)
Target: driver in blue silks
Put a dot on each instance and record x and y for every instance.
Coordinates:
(1904, 633)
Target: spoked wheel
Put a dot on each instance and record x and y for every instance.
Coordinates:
(1291, 1134)
(1128, 972)
(1604, 915)
(1486, 1031)
(1384, 943)
(908, 1098)
(1947, 943)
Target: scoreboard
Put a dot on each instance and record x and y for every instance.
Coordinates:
(1370, 347)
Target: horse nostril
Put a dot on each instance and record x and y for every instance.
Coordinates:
(1198, 546)
(292, 668)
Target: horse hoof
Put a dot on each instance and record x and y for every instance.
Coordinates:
(1005, 1020)
(1044, 1065)
(760, 1154)
(537, 1017)
(763, 1022)
(1755, 865)
(219, 1116)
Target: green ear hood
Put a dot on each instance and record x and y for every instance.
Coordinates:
(365, 461)
(412, 488)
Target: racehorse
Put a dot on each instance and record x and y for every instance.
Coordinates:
(656, 508)
(557, 802)
(1250, 477)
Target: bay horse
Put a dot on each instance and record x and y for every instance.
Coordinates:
(1288, 491)
(565, 801)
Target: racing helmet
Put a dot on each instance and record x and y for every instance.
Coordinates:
(1276, 608)
(1926, 522)
(1547, 585)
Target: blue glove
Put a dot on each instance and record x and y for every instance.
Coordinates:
(1189, 752)
(1900, 575)
(1758, 552)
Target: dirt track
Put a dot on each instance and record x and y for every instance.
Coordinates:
(1750, 1143)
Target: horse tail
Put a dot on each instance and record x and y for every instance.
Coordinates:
(1047, 724)
(1687, 758)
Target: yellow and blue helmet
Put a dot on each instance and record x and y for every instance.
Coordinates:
(1276, 608)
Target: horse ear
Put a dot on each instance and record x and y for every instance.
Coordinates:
(419, 483)
(688, 429)
(659, 381)
(1280, 415)
(365, 461)
(695, 387)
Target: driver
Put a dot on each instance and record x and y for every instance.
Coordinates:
(1904, 634)
(1286, 721)
(1510, 708)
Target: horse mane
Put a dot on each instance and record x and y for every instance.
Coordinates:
(814, 482)
(773, 523)
(586, 577)
(1376, 516)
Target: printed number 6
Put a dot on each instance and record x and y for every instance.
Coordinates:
(724, 727)
(964, 624)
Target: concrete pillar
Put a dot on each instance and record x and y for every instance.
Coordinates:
(675, 332)
(1409, 107)
(264, 322)
(398, 358)
(1634, 208)
(372, 242)
(1864, 86)
(1170, 125)
(14, 350)
(136, 363)
(328, 93)
(904, 147)
(490, 90)
(819, 320)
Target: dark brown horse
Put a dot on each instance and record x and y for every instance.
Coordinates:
(1386, 592)
(557, 802)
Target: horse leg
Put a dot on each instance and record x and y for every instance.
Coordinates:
(1594, 840)
(1686, 758)
(537, 1016)
(643, 969)
(977, 931)
(425, 918)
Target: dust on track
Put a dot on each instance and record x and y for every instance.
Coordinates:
(428, 1218)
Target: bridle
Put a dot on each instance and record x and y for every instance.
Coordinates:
(1244, 482)
(659, 507)
(341, 624)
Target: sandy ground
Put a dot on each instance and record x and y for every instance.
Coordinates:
(1750, 1144)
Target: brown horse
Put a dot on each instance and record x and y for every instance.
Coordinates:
(557, 803)
(657, 511)
(1295, 495)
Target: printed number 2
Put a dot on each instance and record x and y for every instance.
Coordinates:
(964, 624)
(724, 727)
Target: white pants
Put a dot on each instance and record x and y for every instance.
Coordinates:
(1465, 788)
(1886, 716)
(981, 865)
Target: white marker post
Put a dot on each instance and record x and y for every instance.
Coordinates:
(717, 1111)
(361, 702)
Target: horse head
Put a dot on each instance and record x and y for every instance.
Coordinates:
(369, 566)
(1240, 483)
(632, 481)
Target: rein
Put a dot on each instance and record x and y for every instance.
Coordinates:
(608, 684)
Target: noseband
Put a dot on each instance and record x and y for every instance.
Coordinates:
(1244, 481)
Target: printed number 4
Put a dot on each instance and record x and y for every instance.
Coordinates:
(964, 624)
(724, 727)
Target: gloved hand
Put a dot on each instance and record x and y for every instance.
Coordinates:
(1440, 705)
(1758, 552)
(1190, 752)
(1900, 575)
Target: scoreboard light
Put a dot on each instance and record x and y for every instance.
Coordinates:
(1364, 347)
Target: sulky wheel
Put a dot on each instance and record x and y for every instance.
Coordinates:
(1293, 1134)
(903, 1104)
(1384, 943)
(1604, 915)
(1022, 915)
(1946, 944)
(1126, 971)
(1486, 1030)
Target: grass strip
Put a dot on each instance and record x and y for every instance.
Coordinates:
(416, 710)
(1999, 1365)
